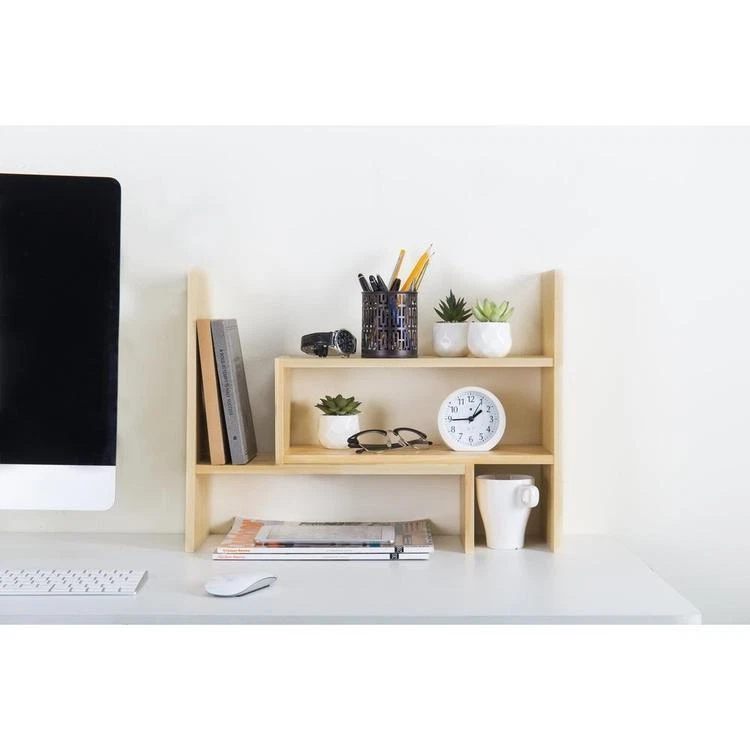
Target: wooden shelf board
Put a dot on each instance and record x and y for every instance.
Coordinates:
(436, 456)
(261, 464)
(334, 362)
(266, 465)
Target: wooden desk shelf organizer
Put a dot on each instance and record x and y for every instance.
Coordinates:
(291, 459)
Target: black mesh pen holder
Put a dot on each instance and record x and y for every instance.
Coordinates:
(389, 324)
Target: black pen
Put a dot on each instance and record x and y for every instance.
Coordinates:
(363, 283)
(396, 285)
(381, 283)
(374, 284)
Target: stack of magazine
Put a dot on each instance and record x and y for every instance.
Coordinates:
(251, 539)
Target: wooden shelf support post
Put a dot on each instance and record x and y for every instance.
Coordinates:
(196, 487)
(283, 406)
(551, 379)
(467, 508)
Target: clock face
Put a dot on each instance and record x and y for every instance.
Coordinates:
(471, 419)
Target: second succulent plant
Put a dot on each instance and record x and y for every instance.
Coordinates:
(490, 312)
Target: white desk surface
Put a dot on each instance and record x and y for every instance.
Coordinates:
(593, 580)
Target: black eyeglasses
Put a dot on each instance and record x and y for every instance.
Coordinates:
(380, 440)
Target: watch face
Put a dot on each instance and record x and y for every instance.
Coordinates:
(471, 419)
(345, 342)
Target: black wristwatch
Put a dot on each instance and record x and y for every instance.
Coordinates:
(340, 341)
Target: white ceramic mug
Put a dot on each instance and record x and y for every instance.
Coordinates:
(505, 501)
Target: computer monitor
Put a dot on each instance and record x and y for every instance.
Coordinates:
(59, 321)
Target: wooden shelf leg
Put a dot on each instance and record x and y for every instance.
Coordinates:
(551, 481)
(196, 517)
(467, 508)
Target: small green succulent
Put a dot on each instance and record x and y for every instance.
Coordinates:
(489, 312)
(339, 406)
(452, 310)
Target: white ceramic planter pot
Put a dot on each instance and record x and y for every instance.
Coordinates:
(489, 339)
(334, 430)
(450, 339)
(505, 501)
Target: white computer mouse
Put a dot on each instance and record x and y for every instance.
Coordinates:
(238, 585)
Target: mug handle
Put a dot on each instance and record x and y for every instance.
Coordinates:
(528, 495)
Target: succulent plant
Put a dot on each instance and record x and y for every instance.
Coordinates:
(338, 406)
(452, 310)
(489, 312)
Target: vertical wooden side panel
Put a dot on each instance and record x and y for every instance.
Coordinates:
(551, 403)
(467, 508)
(287, 409)
(196, 489)
(282, 407)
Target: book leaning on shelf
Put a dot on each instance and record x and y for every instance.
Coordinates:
(412, 540)
(217, 433)
(229, 418)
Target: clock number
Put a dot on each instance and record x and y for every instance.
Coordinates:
(460, 435)
(471, 438)
(453, 428)
(472, 399)
(461, 401)
(454, 409)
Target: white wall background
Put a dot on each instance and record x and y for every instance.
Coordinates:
(650, 227)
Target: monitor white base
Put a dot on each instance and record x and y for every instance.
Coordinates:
(43, 487)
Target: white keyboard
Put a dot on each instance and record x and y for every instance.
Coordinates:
(75, 582)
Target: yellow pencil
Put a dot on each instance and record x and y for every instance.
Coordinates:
(397, 269)
(421, 273)
(412, 277)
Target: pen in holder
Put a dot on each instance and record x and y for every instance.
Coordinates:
(389, 324)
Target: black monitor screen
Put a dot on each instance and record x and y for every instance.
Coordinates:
(59, 314)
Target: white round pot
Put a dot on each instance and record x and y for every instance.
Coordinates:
(450, 339)
(334, 430)
(505, 501)
(489, 339)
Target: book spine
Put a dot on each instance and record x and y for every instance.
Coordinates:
(241, 394)
(316, 556)
(416, 550)
(261, 550)
(225, 372)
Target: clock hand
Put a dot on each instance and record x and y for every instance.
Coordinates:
(475, 414)
(462, 419)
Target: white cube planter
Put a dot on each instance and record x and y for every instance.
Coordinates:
(489, 339)
(450, 339)
(333, 431)
(505, 501)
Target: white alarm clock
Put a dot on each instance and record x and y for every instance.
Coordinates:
(471, 419)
